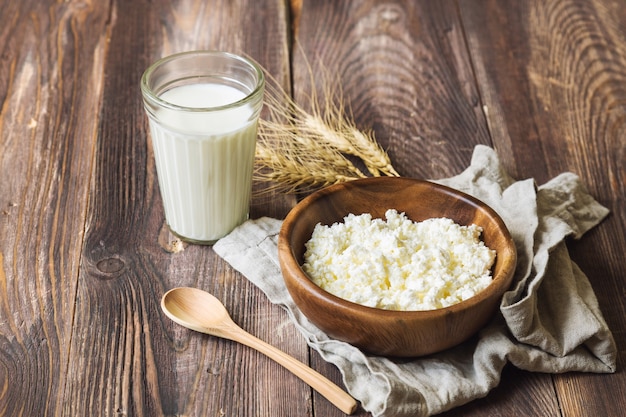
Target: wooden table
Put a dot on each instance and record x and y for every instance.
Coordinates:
(84, 253)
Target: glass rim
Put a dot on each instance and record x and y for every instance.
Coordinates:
(148, 92)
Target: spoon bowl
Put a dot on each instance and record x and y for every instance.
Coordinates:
(197, 310)
(200, 311)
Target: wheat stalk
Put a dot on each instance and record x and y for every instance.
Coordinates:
(297, 173)
(300, 150)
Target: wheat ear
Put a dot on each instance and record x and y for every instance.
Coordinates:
(299, 150)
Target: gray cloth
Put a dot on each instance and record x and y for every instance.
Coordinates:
(549, 321)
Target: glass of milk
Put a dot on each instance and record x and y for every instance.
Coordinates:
(203, 108)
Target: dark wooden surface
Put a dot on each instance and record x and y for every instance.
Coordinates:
(85, 257)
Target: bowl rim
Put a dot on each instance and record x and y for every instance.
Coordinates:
(498, 285)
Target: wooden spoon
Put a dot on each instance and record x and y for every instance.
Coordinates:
(200, 311)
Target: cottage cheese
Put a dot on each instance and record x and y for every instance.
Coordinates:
(399, 264)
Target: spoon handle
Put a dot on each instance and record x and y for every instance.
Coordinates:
(314, 379)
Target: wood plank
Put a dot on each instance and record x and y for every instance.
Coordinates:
(85, 256)
(137, 362)
(566, 59)
(50, 87)
(406, 72)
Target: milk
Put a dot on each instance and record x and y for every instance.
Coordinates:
(204, 159)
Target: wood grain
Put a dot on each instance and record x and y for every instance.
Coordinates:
(567, 60)
(50, 79)
(500, 53)
(139, 363)
(85, 256)
(405, 73)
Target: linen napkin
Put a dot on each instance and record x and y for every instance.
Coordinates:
(549, 320)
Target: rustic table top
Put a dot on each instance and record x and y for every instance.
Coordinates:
(84, 253)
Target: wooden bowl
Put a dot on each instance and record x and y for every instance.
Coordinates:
(386, 332)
